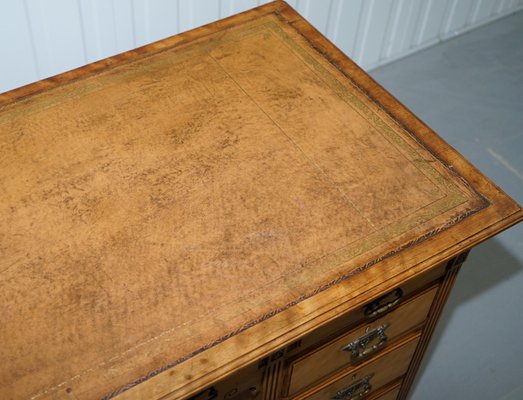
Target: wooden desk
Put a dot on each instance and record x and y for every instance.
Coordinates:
(235, 212)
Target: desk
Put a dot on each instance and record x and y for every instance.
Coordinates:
(235, 212)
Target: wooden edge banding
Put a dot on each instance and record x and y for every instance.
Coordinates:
(434, 315)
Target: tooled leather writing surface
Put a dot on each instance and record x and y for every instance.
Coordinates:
(216, 181)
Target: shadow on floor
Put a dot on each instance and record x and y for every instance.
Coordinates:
(488, 265)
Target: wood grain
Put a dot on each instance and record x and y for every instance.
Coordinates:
(174, 213)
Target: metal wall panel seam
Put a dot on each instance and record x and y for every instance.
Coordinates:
(362, 30)
(96, 49)
(475, 12)
(306, 8)
(32, 41)
(147, 20)
(423, 22)
(468, 20)
(139, 15)
(334, 26)
(298, 5)
(451, 7)
(413, 22)
(500, 7)
(82, 31)
(327, 20)
(393, 33)
(115, 27)
(220, 12)
(178, 16)
(96, 25)
(493, 9)
(318, 13)
(115, 30)
(40, 36)
(404, 43)
(379, 21)
(133, 23)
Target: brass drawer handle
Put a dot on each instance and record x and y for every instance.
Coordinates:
(383, 304)
(363, 347)
(355, 391)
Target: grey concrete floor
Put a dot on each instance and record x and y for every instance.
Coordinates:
(470, 91)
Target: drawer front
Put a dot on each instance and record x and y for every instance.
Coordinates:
(389, 393)
(359, 344)
(369, 376)
(358, 315)
(392, 395)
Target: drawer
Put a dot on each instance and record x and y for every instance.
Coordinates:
(367, 377)
(390, 392)
(386, 302)
(358, 344)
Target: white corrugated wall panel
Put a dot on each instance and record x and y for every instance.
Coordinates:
(40, 38)
(486, 9)
(435, 13)
(372, 37)
(346, 23)
(403, 13)
(99, 37)
(317, 11)
(123, 25)
(165, 13)
(57, 35)
(230, 7)
(18, 63)
(142, 21)
(459, 16)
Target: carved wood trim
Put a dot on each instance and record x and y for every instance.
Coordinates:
(453, 268)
